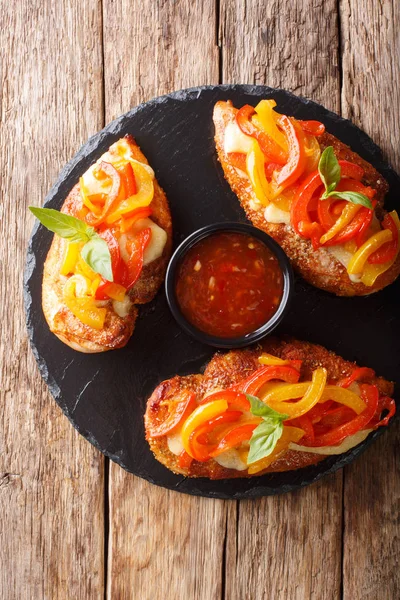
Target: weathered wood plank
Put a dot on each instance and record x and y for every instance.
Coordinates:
(287, 546)
(51, 480)
(293, 45)
(161, 544)
(371, 97)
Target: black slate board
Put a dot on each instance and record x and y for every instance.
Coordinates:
(104, 395)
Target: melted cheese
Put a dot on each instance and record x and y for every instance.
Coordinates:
(231, 460)
(347, 444)
(273, 214)
(122, 307)
(344, 257)
(175, 443)
(156, 245)
(235, 140)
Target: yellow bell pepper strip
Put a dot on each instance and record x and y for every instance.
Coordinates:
(289, 434)
(143, 197)
(269, 359)
(85, 198)
(82, 305)
(348, 214)
(200, 415)
(256, 172)
(357, 262)
(71, 257)
(343, 396)
(266, 118)
(82, 268)
(372, 271)
(310, 398)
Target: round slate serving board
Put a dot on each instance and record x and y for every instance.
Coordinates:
(104, 395)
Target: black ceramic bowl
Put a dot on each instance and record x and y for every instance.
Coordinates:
(260, 332)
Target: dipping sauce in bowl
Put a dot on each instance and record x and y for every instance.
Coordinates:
(229, 284)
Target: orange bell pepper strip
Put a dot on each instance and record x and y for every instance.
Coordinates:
(199, 416)
(234, 438)
(297, 156)
(272, 151)
(114, 197)
(238, 160)
(127, 221)
(200, 447)
(128, 179)
(136, 249)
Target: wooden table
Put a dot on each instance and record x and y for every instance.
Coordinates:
(74, 525)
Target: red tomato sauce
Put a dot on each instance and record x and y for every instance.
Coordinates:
(229, 284)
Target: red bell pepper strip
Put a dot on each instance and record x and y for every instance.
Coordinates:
(356, 375)
(234, 438)
(234, 399)
(252, 384)
(201, 451)
(297, 155)
(312, 127)
(333, 418)
(385, 403)
(128, 179)
(299, 214)
(335, 436)
(179, 409)
(388, 251)
(113, 198)
(361, 220)
(272, 151)
(351, 170)
(184, 460)
(305, 423)
(136, 250)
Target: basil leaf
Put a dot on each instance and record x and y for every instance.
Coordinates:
(65, 226)
(264, 439)
(97, 255)
(353, 197)
(329, 170)
(260, 409)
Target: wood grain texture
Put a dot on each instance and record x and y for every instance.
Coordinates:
(293, 45)
(152, 48)
(279, 542)
(51, 480)
(371, 97)
(162, 545)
